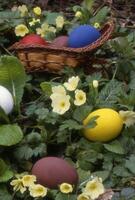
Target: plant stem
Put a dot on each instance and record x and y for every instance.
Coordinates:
(13, 195)
(6, 50)
(115, 72)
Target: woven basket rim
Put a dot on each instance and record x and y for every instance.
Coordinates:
(106, 32)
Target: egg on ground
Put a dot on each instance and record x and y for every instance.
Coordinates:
(6, 100)
(83, 36)
(52, 171)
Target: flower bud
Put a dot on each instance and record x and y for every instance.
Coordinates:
(95, 83)
(78, 14)
(97, 25)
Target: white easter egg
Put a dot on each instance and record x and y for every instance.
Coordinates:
(6, 100)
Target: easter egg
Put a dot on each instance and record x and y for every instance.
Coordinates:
(61, 41)
(109, 125)
(52, 171)
(83, 36)
(33, 39)
(6, 100)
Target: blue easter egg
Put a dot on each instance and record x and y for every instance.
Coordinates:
(83, 36)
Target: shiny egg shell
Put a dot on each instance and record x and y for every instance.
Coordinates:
(33, 39)
(83, 36)
(6, 100)
(52, 171)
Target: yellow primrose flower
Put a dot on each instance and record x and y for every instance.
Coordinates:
(60, 103)
(83, 196)
(94, 188)
(78, 14)
(97, 25)
(34, 21)
(59, 90)
(37, 10)
(21, 30)
(18, 185)
(59, 22)
(28, 180)
(23, 10)
(40, 32)
(66, 188)
(80, 97)
(128, 117)
(45, 28)
(38, 190)
(95, 83)
(72, 83)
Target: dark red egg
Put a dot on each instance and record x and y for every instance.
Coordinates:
(52, 171)
(61, 41)
(33, 39)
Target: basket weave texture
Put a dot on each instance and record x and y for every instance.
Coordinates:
(53, 59)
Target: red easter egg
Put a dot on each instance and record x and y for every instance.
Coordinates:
(52, 171)
(33, 39)
(61, 41)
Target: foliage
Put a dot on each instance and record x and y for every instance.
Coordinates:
(33, 130)
(13, 78)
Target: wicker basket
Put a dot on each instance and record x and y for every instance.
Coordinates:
(53, 59)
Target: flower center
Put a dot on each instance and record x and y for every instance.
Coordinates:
(27, 179)
(66, 187)
(93, 186)
(62, 104)
(80, 97)
(40, 190)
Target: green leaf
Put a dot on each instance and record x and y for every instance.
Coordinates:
(123, 46)
(61, 196)
(83, 175)
(62, 136)
(110, 92)
(81, 113)
(101, 15)
(5, 172)
(70, 124)
(88, 4)
(7, 175)
(3, 167)
(28, 151)
(102, 174)
(95, 76)
(3, 116)
(4, 193)
(9, 19)
(41, 113)
(130, 164)
(40, 150)
(121, 171)
(132, 82)
(85, 144)
(13, 77)
(115, 147)
(127, 100)
(92, 122)
(88, 158)
(23, 152)
(51, 17)
(46, 88)
(10, 135)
